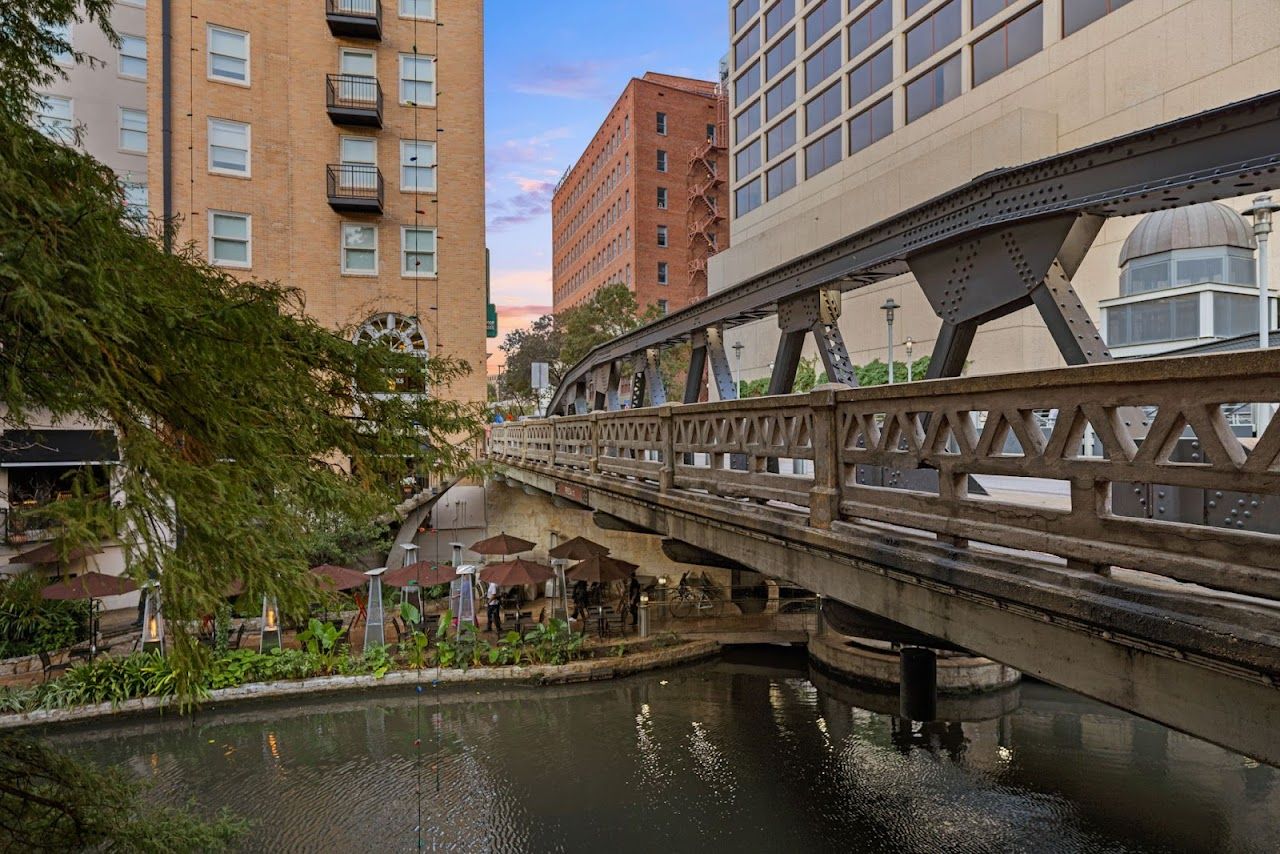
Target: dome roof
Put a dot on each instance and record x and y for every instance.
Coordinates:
(1190, 227)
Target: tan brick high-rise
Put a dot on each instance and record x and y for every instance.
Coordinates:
(646, 202)
(309, 144)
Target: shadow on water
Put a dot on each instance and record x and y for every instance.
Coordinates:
(751, 751)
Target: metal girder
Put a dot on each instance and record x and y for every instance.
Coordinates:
(697, 367)
(721, 373)
(653, 378)
(783, 378)
(1223, 152)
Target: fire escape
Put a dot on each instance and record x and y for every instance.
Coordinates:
(707, 164)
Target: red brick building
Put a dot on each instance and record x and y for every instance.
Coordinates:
(646, 204)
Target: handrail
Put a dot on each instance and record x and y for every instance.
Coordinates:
(354, 181)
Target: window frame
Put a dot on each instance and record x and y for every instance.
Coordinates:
(663, 237)
(121, 56)
(660, 123)
(248, 240)
(146, 130)
(343, 249)
(400, 13)
(433, 168)
(663, 161)
(663, 198)
(663, 273)
(247, 58)
(401, 79)
(248, 148)
(66, 133)
(404, 251)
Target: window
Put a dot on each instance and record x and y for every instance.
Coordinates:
(228, 55)
(822, 64)
(746, 47)
(1151, 276)
(780, 55)
(871, 125)
(747, 197)
(228, 147)
(743, 12)
(662, 235)
(662, 160)
(910, 7)
(359, 157)
(417, 252)
(62, 32)
(778, 16)
(54, 118)
(1166, 319)
(781, 96)
(933, 33)
(984, 9)
(1193, 271)
(825, 108)
(627, 238)
(747, 84)
(136, 202)
(1077, 14)
(417, 166)
(781, 177)
(818, 22)
(871, 76)
(133, 130)
(747, 122)
(871, 26)
(662, 307)
(359, 249)
(662, 198)
(133, 56)
(1006, 46)
(662, 272)
(747, 160)
(822, 154)
(229, 239)
(1234, 314)
(933, 88)
(781, 136)
(660, 123)
(417, 80)
(357, 63)
(422, 9)
(1242, 271)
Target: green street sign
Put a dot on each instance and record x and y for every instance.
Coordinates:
(491, 325)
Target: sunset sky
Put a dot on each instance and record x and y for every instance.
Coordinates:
(551, 79)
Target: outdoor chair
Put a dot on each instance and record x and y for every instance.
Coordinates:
(46, 663)
(234, 642)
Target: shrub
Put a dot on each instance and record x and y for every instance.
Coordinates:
(30, 624)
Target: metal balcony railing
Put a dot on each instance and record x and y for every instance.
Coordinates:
(354, 99)
(360, 19)
(354, 187)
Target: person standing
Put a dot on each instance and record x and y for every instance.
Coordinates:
(493, 614)
(633, 591)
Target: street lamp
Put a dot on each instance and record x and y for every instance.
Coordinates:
(889, 308)
(1261, 212)
(911, 346)
(737, 356)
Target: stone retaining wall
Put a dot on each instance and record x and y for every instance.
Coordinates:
(957, 674)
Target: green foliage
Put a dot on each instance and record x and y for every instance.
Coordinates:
(552, 642)
(808, 377)
(30, 624)
(28, 46)
(877, 372)
(610, 312)
(321, 641)
(541, 342)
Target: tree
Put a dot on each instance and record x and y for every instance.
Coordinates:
(245, 429)
(541, 342)
(611, 311)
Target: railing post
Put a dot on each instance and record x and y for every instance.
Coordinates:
(524, 442)
(593, 462)
(1090, 501)
(667, 436)
(824, 495)
(952, 489)
(551, 454)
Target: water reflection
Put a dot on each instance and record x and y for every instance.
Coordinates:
(757, 754)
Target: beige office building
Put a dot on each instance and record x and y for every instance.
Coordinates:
(845, 112)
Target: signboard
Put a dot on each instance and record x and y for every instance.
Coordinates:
(540, 375)
(572, 491)
(491, 321)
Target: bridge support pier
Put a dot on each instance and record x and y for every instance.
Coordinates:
(918, 685)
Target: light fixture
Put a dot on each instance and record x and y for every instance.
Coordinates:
(152, 619)
(270, 636)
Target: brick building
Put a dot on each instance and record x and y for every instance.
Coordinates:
(646, 202)
(335, 147)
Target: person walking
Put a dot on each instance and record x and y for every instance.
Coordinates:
(579, 600)
(493, 614)
(633, 591)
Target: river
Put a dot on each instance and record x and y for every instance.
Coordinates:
(752, 752)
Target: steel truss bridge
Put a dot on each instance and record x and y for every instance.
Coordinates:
(1174, 620)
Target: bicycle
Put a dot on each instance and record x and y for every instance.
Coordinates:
(699, 601)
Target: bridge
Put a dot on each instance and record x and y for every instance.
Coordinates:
(867, 496)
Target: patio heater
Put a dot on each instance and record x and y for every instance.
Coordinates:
(642, 623)
(373, 621)
(560, 605)
(270, 636)
(412, 588)
(462, 590)
(152, 620)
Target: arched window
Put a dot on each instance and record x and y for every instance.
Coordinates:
(403, 335)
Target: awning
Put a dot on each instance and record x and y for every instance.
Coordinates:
(49, 447)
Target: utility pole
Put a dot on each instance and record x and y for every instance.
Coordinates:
(889, 308)
(737, 356)
(1261, 212)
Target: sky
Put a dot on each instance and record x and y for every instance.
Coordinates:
(554, 69)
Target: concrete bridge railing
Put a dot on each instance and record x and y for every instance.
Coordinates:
(961, 427)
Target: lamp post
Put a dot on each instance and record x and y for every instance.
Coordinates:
(1263, 208)
(889, 308)
(911, 346)
(737, 357)
(642, 621)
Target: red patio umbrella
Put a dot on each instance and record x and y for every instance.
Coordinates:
(516, 573)
(48, 553)
(503, 544)
(339, 577)
(426, 573)
(90, 585)
(602, 568)
(579, 548)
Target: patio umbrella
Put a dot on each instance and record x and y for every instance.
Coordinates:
(90, 585)
(48, 553)
(602, 568)
(339, 577)
(503, 544)
(516, 573)
(426, 573)
(579, 548)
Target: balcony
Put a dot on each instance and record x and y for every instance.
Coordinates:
(354, 99)
(354, 188)
(354, 19)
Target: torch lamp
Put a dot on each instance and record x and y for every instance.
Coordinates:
(270, 637)
(152, 620)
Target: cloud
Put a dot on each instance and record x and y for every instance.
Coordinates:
(576, 81)
(531, 203)
(521, 288)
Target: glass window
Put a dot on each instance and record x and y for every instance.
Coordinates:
(662, 198)
(1193, 271)
(1234, 314)
(229, 239)
(662, 272)
(780, 55)
(660, 123)
(1153, 321)
(417, 252)
(910, 7)
(417, 80)
(871, 125)
(133, 130)
(780, 97)
(825, 108)
(747, 84)
(871, 76)
(1008, 45)
(359, 249)
(423, 9)
(933, 33)
(869, 27)
(662, 235)
(417, 166)
(822, 64)
(747, 122)
(984, 9)
(747, 160)
(746, 47)
(781, 177)
(778, 16)
(228, 147)
(662, 161)
(357, 63)
(1243, 271)
(136, 202)
(781, 136)
(1077, 14)
(62, 32)
(662, 307)
(1151, 276)
(747, 197)
(819, 22)
(822, 154)
(933, 88)
(743, 12)
(228, 55)
(54, 118)
(133, 56)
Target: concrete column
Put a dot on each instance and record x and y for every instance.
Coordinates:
(918, 685)
(594, 465)
(667, 480)
(824, 495)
